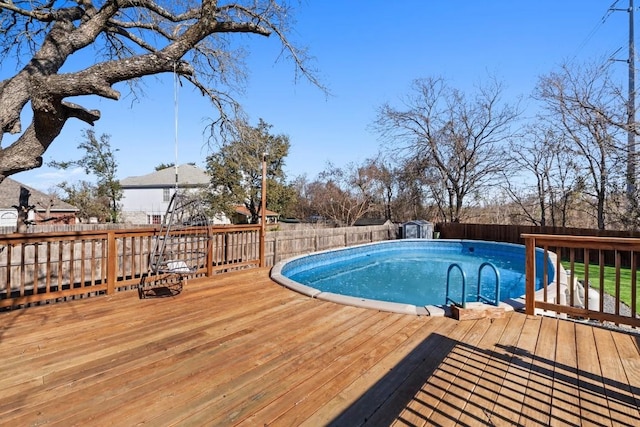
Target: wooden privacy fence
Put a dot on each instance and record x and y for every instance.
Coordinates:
(513, 233)
(570, 295)
(286, 244)
(37, 267)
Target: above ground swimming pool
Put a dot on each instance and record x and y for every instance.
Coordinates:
(410, 275)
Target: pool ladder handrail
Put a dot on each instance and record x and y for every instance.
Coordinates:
(479, 295)
(448, 300)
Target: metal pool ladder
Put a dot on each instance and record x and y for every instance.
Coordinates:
(479, 296)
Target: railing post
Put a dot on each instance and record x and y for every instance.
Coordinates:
(210, 237)
(112, 262)
(530, 273)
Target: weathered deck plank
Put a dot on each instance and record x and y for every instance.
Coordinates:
(565, 397)
(512, 398)
(539, 386)
(491, 380)
(242, 350)
(622, 403)
(482, 384)
(594, 409)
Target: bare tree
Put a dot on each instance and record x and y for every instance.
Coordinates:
(131, 40)
(583, 104)
(340, 195)
(382, 183)
(457, 141)
(413, 189)
(301, 202)
(541, 178)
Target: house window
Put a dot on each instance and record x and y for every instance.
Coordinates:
(155, 219)
(166, 194)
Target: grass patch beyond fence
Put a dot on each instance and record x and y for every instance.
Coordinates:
(609, 279)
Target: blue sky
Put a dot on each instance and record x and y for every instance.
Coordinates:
(366, 53)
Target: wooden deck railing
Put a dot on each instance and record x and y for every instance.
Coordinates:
(580, 293)
(51, 266)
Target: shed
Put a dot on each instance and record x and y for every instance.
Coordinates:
(417, 229)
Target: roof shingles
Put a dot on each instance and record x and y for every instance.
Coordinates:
(188, 176)
(10, 195)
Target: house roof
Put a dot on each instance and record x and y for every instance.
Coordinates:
(242, 210)
(370, 221)
(188, 176)
(10, 196)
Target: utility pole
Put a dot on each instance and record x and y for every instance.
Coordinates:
(631, 122)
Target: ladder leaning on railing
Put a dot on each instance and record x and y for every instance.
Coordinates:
(178, 251)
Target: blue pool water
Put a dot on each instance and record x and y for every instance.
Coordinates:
(415, 271)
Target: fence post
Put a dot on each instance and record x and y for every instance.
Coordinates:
(112, 262)
(530, 274)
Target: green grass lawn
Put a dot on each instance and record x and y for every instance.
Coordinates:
(609, 279)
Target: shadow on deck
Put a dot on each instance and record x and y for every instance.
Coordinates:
(242, 350)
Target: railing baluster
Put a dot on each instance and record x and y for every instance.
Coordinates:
(634, 284)
(558, 266)
(83, 271)
(617, 308)
(545, 272)
(22, 271)
(587, 283)
(572, 277)
(601, 277)
(9, 257)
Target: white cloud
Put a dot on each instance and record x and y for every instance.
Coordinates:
(46, 178)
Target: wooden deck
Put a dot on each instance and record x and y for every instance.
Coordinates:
(240, 349)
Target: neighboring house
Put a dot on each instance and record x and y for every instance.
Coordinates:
(243, 216)
(145, 198)
(47, 209)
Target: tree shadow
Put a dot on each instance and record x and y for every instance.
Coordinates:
(439, 383)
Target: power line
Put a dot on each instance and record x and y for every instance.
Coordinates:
(595, 29)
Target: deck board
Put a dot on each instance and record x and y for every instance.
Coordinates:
(483, 376)
(513, 397)
(241, 350)
(491, 380)
(539, 385)
(594, 408)
(565, 397)
(621, 401)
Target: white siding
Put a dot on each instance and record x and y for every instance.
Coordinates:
(8, 217)
(138, 204)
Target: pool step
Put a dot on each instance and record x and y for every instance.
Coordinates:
(477, 310)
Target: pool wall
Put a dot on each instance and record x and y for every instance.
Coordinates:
(308, 261)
